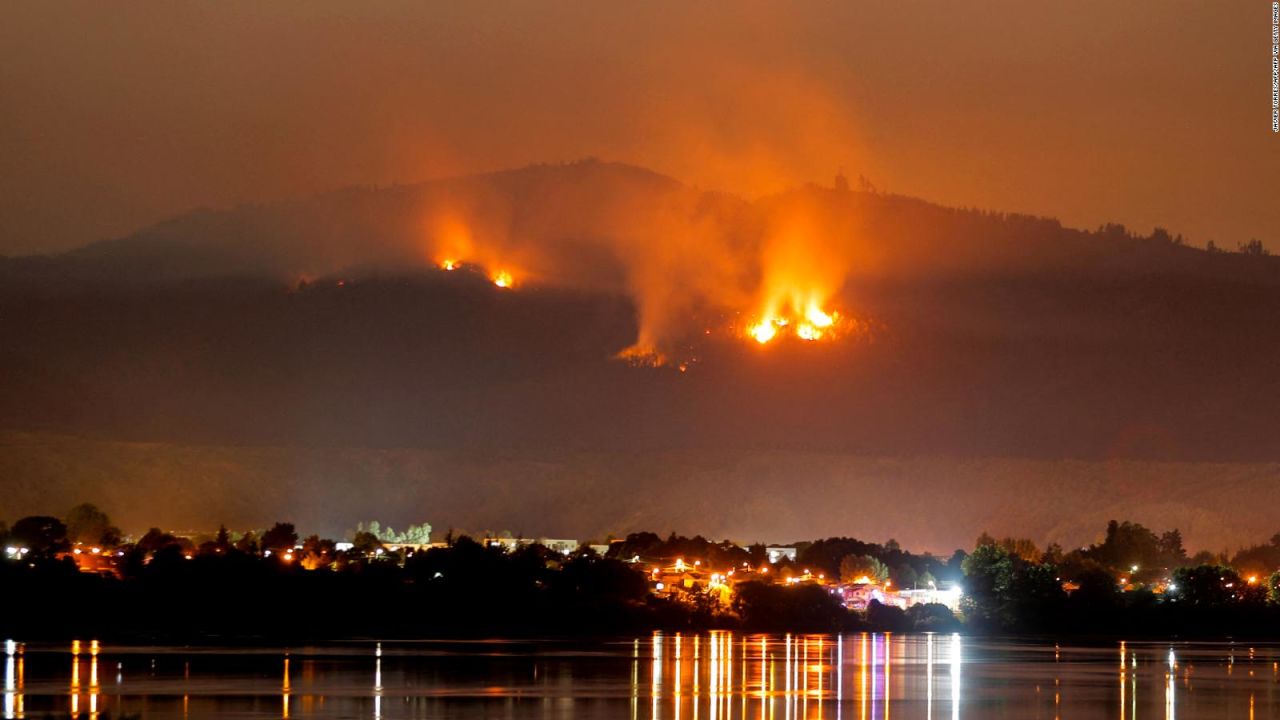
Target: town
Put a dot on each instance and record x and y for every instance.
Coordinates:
(55, 570)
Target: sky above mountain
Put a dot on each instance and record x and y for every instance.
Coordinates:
(1149, 113)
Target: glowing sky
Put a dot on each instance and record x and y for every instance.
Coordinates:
(113, 116)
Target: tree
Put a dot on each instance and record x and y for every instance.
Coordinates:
(1208, 557)
(248, 543)
(1128, 544)
(1273, 588)
(317, 553)
(156, 540)
(1096, 589)
(862, 569)
(88, 525)
(886, 618)
(1206, 585)
(413, 535)
(417, 534)
(1258, 559)
(1053, 554)
(988, 584)
(765, 606)
(366, 542)
(1254, 247)
(280, 538)
(904, 576)
(40, 534)
(931, 617)
(1171, 546)
(1021, 547)
(222, 543)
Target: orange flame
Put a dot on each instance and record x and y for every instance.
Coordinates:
(783, 282)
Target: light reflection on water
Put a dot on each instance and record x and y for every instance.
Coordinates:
(711, 676)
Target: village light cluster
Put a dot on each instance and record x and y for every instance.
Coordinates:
(681, 580)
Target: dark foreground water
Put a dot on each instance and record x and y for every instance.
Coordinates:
(709, 677)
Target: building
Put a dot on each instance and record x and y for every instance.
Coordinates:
(560, 545)
(857, 596)
(776, 554)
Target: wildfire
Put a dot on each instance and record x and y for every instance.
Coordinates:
(787, 291)
(639, 356)
(763, 331)
(813, 323)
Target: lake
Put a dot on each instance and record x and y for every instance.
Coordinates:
(711, 676)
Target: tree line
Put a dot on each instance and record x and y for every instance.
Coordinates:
(276, 584)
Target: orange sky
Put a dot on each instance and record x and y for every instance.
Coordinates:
(113, 116)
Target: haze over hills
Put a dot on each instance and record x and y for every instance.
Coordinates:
(311, 359)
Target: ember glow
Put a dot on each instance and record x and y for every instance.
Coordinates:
(503, 279)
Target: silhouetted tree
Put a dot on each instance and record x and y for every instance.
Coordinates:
(281, 537)
(223, 540)
(88, 525)
(931, 617)
(886, 618)
(1171, 547)
(1098, 589)
(1128, 544)
(1254, 247)
(40, 534)
(156, 540)
(1273, 588)
(763, 606)
(904, 576)
(248, 543)
(987, 586)
(366, 542)
(1206, 585)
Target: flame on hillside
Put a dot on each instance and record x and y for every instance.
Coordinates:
(802, 270)
(808, 323)
(690, 272)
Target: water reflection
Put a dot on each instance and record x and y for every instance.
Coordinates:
(672, 676)
(13, 680)
(793, 676)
